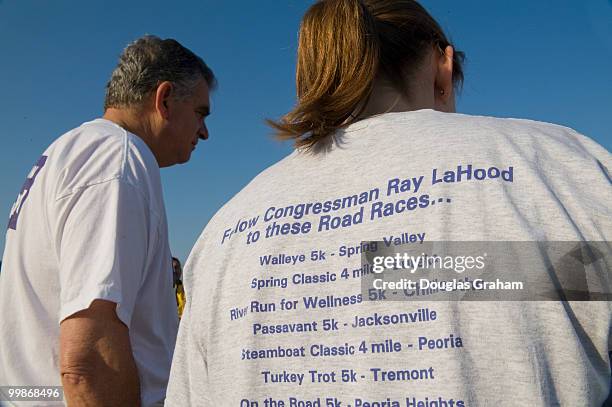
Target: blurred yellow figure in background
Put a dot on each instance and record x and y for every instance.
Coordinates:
(177, 273)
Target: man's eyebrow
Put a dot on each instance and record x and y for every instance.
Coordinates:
(204, 109)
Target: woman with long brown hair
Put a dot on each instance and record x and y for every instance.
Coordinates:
(357, 59)
(285, 303)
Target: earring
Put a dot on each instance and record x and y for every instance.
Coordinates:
(441, 91)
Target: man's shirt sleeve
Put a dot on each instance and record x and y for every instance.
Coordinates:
(103, 234)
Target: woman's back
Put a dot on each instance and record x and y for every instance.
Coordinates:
(278, 308)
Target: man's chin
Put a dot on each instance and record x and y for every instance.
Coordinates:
(184, 159)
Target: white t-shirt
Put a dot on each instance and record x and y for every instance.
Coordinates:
(89, 224)
(275, 308)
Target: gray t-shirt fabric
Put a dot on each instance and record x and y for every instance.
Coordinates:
(249, 337)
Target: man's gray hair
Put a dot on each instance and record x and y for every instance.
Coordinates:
(147, 62)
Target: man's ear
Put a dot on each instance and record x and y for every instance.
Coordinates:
(162, 98)
(443, 87)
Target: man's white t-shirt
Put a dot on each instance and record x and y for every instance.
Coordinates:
(89, 224)
(275, 311)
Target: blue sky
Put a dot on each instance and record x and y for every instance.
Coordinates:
(546, 60)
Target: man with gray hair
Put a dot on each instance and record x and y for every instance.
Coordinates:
(86, 288)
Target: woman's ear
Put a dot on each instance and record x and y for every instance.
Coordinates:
(443, 87)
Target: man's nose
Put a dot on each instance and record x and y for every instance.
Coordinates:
(203, 132)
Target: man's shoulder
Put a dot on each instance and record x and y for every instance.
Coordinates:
(98, 138)
(99, 151)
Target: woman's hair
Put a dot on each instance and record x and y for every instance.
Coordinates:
(343, 46)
